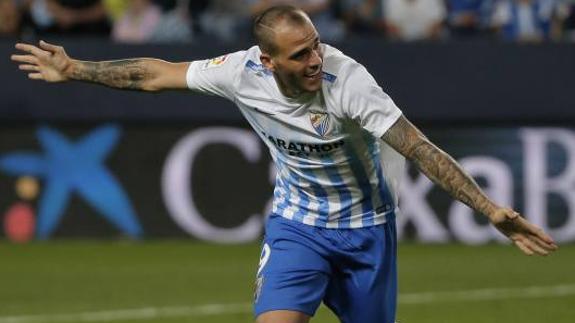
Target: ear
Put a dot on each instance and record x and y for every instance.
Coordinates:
(268, 62)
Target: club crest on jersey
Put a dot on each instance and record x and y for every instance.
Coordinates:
(319, 121)
(215, 62)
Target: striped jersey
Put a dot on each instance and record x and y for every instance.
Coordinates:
(333, 170)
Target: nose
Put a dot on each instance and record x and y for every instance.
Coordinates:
(315, 59)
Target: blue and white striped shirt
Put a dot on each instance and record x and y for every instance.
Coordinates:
(333, 170)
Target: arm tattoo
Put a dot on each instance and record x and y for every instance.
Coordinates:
(127, 74)
(441, 168)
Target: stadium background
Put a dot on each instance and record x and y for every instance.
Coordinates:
(172, 234)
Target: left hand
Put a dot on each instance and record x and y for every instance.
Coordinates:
(526, 236)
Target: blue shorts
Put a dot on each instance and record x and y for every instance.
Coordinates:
(353, 271)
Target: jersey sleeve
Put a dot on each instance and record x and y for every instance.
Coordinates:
(216, 76)
(364, 101)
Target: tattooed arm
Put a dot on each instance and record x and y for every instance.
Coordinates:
(438, 166)
(51, 64)
(144, 74)
(443, 170)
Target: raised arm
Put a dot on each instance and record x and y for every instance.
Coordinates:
(443, 170)
(51, 64)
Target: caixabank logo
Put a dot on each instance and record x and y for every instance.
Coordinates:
(64, 168)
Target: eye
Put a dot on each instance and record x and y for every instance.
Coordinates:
(300, 56)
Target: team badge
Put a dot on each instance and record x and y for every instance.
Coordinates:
(215, 62)
(319, 121)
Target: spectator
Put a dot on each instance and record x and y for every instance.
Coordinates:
(194, 11)
(175, 25)
(362, 16)
(115, 8)
(9, 18)
(414, 20)
(329, 27)
(226, 19)
(70, 17)
(524, 20)
(468, 17)
(138, 22)
(566, 22)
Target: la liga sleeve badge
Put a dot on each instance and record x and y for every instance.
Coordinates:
(215, 62)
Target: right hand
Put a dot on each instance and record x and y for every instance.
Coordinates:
(46, 62)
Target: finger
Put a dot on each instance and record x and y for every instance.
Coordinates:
(535, 247)
(523, 248)
(49, 47)
(27, 67)
(543, 244)
(35, 76)
(30, 49)
(544, 236)
(25, 59)
(536, 231)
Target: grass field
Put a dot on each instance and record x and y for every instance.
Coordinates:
(181, 281)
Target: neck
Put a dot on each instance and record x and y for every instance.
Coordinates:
(288, 91)
(293, 94)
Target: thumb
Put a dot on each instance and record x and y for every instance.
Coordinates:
(512, 215)
(503, 214)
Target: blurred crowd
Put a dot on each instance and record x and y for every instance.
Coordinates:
(164, 21)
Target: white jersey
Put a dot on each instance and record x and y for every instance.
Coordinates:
(326, 147)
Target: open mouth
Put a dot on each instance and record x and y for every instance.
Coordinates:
(315, 75)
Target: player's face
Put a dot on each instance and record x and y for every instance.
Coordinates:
(298, 60)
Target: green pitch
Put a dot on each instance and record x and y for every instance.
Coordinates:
(184, 281)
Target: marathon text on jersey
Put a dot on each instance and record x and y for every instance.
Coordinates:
(304, 149)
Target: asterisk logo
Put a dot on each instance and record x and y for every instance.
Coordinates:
(67, 168)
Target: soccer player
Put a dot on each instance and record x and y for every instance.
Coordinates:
(336, 139)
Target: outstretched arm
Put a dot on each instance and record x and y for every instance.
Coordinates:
(446, 172)
(51, 64)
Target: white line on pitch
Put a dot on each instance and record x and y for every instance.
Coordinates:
(145, 313)
(148, 313)
(487, 294)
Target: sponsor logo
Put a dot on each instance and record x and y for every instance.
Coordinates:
(329, 77)
(301, 149)
(67, 168)
(178, 193)
(259, 69)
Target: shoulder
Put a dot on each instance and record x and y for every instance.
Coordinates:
(252, 65)
(342, 72)
(233, 60)
(335, 62)
(219, 75)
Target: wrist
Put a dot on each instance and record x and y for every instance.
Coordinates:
(491, 210)
(70, 69)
